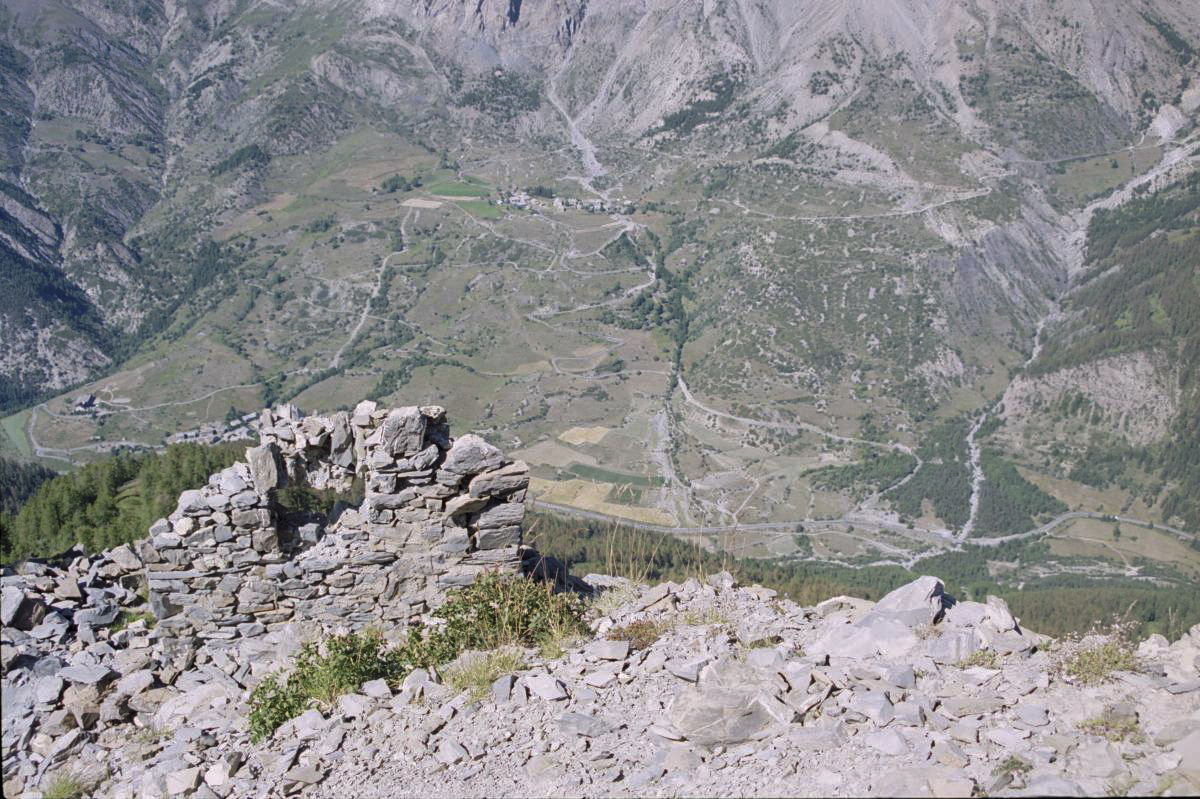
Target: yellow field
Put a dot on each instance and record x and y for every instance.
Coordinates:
(550, 453)
(583, 435)
(1080, 496)
(588, 495)
(534, 367)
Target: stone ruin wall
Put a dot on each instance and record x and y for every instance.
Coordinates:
(437, 512)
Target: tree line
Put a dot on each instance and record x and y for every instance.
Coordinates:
(109, 502)
(18, 481)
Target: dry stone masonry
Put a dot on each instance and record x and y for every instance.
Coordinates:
(230, 563)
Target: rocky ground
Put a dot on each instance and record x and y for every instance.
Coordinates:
(700, 688)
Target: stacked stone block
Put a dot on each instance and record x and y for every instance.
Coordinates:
(437, 513)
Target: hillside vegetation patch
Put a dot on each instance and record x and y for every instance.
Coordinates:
(493, 612)
(1099, 664)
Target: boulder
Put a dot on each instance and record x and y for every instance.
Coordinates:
(546, 686)
(403, 432)
(264, 467)
(892, 627)
(124, 557)
(470, 455)
(498, 537)
(88, 675)
(499, 482)
(20, 611)
(917, 604)
(193, 503)
(503, 515)
(711, 716)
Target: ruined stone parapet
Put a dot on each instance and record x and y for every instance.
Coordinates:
(437, 512)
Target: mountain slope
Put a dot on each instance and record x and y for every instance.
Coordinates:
(812, 228)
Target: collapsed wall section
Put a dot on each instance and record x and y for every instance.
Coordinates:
(437, 511)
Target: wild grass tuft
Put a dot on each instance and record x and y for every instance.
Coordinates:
(709, 616)
(128, 617)
(610, 600)
(476, 674)
(64, 786)
(1012, 765)
(1114, 726)
(640, 634)
(984, 658)
(494, 611)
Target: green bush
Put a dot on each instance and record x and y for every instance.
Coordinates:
(1099, 663)
(492, 612)
(496, 611)
(348, 662)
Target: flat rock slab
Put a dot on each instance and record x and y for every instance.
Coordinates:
(607, 650)
(716, 716)
(981, 704)
(888, 742)
(305, 775)
(546, 687)
(88, 675)
(582, 724)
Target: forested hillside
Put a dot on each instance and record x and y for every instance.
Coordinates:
(109, 502)
(18, 481)
(1142, 293)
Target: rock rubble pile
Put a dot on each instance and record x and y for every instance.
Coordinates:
(736, 692)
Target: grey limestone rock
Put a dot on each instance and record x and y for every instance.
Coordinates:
(582, 724)
(718, 716)
(547, 687)
(263, 462)
(470, 454)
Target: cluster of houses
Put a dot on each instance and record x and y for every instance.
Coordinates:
(518, 198)
(241, 428)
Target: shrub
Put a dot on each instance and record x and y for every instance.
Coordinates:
(1098, 664)
(982, 657)
(495, 611)
(492, 612)
(348, 662)
(640, 634)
